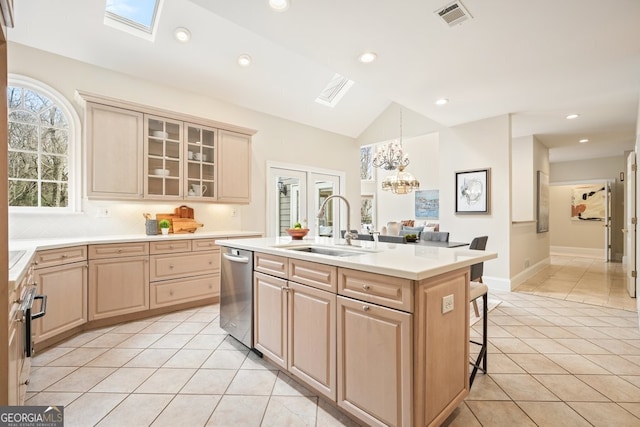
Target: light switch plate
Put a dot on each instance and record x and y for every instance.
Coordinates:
(447, 304)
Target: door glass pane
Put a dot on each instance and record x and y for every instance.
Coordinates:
(288, 204)
(324, 189)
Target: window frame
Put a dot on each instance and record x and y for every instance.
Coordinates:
(74, 155)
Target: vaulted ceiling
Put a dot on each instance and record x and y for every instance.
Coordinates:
(537, 60)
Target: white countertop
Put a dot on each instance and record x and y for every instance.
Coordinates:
(409, 261)
(30, 246)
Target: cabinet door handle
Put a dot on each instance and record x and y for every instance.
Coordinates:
(366, 287)
(365, 308)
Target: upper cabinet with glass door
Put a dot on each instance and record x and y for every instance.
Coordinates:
(201, 162)
(163, 154)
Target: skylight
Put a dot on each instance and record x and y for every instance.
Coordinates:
(137, 17)
(334, 91)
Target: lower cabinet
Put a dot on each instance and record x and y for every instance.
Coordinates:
(118, 286)
(66, 289)
(16, 357)
(294, 326)
(374, 362)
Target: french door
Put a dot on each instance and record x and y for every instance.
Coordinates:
(294, 195)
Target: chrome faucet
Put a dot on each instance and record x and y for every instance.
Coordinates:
(348, 235)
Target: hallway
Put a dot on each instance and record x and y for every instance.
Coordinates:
(581, 279)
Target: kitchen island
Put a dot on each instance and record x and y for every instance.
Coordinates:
(380, 329)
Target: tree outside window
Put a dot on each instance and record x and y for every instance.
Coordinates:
(38, 150)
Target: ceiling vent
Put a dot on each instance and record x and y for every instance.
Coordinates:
(334, 91)
(454, 13)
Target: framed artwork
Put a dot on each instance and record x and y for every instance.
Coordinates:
(473, 191)
(428, 204)
(542, 203)
(366, 165)
(588, 202)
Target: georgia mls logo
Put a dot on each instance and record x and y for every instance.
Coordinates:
(31, 416)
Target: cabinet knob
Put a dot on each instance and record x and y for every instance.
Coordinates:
(119, 251)
(63, 256)
(365, 308)
(170, 293)
(27, 381)
(170, 246)
(35, 262)
(366, 287)
(171, 266)
(20, 319)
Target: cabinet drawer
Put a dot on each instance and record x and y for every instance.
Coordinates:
(393, 292)
(270, 264)
(53, 257)
(204, 245)
(320, 276)
(170, 247)
(115, 250)
(164, 267)
(172, 292)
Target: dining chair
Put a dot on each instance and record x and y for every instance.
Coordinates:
(363, 236)
(435, 236)
(478, 289)
(392, 239)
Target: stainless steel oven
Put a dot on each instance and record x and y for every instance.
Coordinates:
(29, 316)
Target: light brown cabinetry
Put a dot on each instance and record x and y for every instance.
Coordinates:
(374, 362)
(234, 159)
(118, 279)
(294, 324)
(183, 271)
(382, 348)
(61, 275)
(163, 158)
(114, 152)
(139, 151)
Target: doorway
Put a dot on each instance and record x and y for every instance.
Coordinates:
(294, 195)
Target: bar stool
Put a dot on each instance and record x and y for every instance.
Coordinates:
(478, 289)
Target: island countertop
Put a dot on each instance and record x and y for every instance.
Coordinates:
(409, 261)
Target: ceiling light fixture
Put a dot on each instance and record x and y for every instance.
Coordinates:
(367, 57)
(244, 60)
(442, 101)
(572, 116)
(390, 157)
(182, 34)
(583, 141)
(279, 5)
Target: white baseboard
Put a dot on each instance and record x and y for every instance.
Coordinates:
(523, 276)
(584, 252)
(497, 283)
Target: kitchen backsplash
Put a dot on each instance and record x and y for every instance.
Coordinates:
(121, 218)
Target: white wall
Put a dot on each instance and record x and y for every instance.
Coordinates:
(482, 144)
(276, 139)
(529, 249)
(423, 154)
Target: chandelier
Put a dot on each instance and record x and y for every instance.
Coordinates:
(391, 157)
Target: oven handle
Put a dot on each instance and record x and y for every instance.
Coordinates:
(43, 307)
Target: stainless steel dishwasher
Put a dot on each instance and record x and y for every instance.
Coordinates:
(236, 294)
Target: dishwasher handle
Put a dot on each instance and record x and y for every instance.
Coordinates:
(240, 259)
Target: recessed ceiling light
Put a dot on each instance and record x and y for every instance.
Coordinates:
(573, 116)
(367, 57)
(583, 141)
(244, 60)
(442, 101)
(182, 34)
(279, 5)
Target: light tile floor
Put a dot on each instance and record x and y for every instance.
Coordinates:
(552, 362)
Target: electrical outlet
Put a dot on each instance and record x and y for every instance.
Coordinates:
(234, 212)
(102, 212)
(526, 263)
(447, 304)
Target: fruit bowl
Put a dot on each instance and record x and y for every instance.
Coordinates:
(297, 233)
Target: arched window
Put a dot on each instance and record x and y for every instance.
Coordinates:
(42, 137)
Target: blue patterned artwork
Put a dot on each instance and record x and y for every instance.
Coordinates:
(428, 204)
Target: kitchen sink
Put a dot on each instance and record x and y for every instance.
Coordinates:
(14, 257)
(320, 250)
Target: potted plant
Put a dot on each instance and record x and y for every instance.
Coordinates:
(164, 226)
